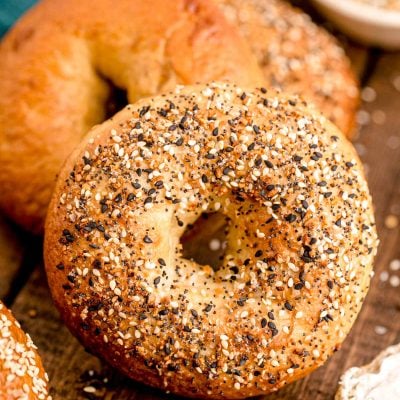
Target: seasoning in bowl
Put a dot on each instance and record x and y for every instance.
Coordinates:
(387, 4)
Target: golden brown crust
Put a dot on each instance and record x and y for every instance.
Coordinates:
(52, 69)
(22, 376)
(297, 56)
(300, 242)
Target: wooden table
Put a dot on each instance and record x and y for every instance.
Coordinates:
(74, 373)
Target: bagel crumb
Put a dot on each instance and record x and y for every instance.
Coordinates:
(394, 265)
(384, 276)
(368, 94)
(391, 221)
(394, 281)
(380, 330)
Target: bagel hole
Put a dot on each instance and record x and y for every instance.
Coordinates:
(204, 241)
(116, 100)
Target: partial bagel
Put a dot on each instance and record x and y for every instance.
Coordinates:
(22, 376)
(55, 64)
(300, 244)
(297, 56)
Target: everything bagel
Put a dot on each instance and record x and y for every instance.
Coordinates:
(301, 240)
(21, 371)
(297, 56)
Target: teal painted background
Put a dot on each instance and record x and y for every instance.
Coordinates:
(10, 10)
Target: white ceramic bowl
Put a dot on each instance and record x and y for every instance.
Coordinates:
(368, 24)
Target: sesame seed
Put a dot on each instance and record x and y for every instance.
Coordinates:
(89, 389)
(146, 239)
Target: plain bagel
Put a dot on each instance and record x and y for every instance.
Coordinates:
(300, 244)
(22, 376)
(297, 56)
(57, 62)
